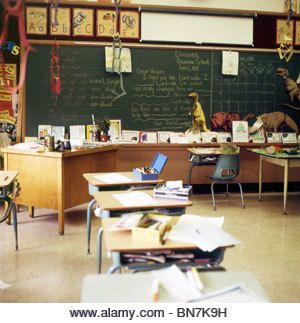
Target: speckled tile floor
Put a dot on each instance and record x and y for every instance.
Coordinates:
(50, 268)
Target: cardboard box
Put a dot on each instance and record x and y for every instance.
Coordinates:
(153, 235)
(151, 173)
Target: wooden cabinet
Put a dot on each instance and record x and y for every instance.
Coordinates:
(178, 165)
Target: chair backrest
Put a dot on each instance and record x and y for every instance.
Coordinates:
(227, 167)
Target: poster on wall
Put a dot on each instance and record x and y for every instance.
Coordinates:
(8, 101)
(297, 32)
(284, 31)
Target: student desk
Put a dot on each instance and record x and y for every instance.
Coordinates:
(95, 184)
(282, 159)
(54, 179)
(129, 288)
(108, 202)
(6, 189)
(120, 242)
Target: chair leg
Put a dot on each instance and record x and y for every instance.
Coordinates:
(14, 212)
(242, 197)
(213, 194)
(227, 185)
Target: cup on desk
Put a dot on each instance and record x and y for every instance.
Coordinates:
(49, 142)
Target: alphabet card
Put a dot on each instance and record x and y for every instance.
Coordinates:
(36, 20)
(106, 23)
(60, 21)
(130, 24)
(83, 22)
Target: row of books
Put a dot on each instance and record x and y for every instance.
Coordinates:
(182, 193)
(137, 136)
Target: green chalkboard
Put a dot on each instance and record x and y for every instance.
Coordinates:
(154, 95)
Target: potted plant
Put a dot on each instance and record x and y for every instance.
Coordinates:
(104, 125)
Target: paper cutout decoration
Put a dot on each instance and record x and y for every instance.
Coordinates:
(230, 63)
(125, 60)
(298, 79)
(286, 49)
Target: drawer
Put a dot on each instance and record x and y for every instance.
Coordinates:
(160, 259)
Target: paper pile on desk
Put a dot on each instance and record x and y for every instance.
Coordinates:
(26, 146)
(176, 284)
(204, 232)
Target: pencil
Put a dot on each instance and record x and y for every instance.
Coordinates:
(155, 290)
(165, 237)
(197, 280)
(5, 178)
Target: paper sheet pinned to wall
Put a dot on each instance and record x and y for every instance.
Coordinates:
(119, 63)
(230, 63)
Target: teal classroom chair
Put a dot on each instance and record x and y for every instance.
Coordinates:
(225, 172)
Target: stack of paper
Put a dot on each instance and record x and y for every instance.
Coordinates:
(176, 284)
(204, 232)
(26, 146)
(163, 191)
(135, 199)
(112, 178)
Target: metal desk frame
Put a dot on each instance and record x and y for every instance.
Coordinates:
(199, 160)
(6, 189)
(286, 162)
(126, 246)
(95, 185)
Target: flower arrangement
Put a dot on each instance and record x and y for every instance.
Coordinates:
(104, 125)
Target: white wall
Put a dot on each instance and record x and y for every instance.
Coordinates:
(252, 5)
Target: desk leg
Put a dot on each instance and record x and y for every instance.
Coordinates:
(8, 220)
(99, 250)
(61, 221)
(14, 212)
(105, 214)
(31, 211)
(260, 178)
(116, 258)
(89, 223)
(190, 174)
(285, 184)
